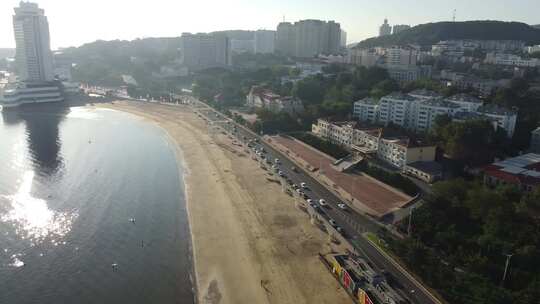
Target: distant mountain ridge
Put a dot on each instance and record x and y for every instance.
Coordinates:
(431, 33)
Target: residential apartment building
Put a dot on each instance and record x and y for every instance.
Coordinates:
(363, 57)
(308, 38)
(465, 81)
(506, 119)
(409, 73)
(385, 29)
(399, 56)
(418, 110)
(396, 151)
(260, 97)
(343, 39)
(400, 28)
(535, 141)
(242, 46)
(402, 151)
(202, 51)
(367, 110)
(512, 60)
(265, 41)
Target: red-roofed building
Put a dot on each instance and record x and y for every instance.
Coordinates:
(522, 171)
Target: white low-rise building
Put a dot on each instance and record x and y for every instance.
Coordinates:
(418, 110)
(396, 151)
(260, 97)
(366, 109)
(505, 118)
(511, 59)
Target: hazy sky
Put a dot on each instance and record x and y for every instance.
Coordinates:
(74, 22)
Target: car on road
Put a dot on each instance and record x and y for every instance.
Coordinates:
(332, 223)
(342, 206)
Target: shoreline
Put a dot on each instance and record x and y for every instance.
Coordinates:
(243, 249)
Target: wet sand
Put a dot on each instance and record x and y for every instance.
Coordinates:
(250, 243)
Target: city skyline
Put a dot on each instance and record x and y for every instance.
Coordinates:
(74, 23)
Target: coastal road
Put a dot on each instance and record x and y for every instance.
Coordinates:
(352, 223)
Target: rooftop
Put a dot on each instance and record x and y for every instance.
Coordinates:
(464, 98)
(440, 102)
(399, 96)
(368, 100)
(423, 93)
(430, 167)
(496, 110)
(521, 169)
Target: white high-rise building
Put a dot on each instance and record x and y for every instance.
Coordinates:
(308, 38)
(400, 28)
(202, 51)
(343, 39)
(265, 41)
(34, 58)
(385, 29)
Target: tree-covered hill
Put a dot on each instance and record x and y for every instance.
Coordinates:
(431, 33)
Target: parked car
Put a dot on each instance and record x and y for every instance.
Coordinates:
(342, 206)
(332, 223)
(322, 202)
(277, 161)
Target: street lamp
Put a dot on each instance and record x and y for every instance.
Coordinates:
(409, 226)
(508, 256)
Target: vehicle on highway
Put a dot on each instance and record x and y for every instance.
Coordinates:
(342, 206)
(322, 202)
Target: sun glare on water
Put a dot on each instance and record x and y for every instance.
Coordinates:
(32, 218)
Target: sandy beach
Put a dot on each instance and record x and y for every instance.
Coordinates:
(250, 243)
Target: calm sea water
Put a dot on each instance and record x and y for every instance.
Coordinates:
(71, 180)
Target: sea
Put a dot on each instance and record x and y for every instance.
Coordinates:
(92, 209)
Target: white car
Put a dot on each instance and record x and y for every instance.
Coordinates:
(322, 202)
(280, 173)
(277, 161)
(303, 185)
(342, 206)
(309, 201)
(333, 223)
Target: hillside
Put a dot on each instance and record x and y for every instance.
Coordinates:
(430, 33)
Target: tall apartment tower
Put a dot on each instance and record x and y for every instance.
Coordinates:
(285, 39)
(385, 29)
(400, 28)
(308, 38)
(34, 58)
(202, 51)
(264, 41)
